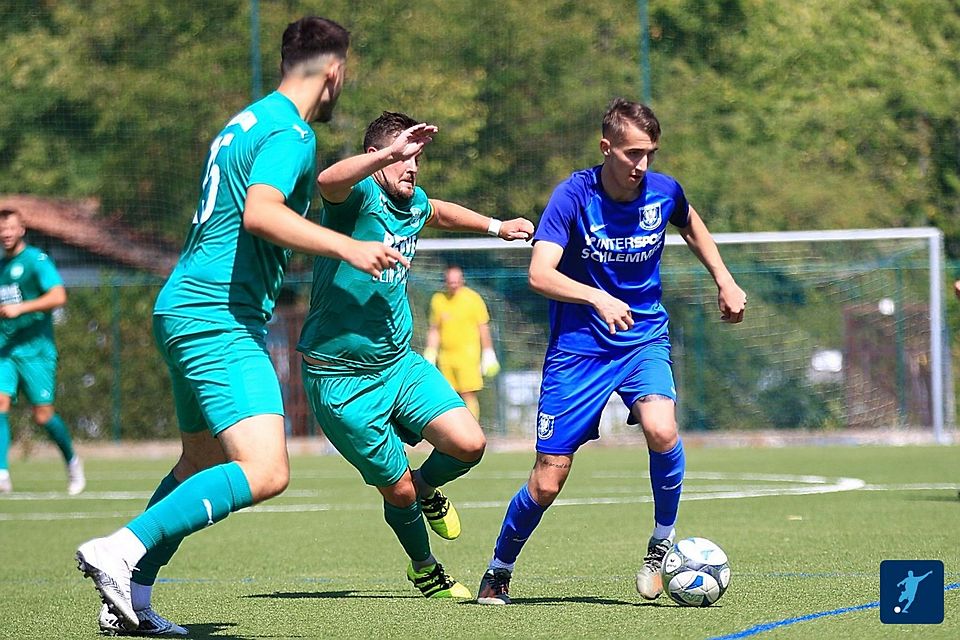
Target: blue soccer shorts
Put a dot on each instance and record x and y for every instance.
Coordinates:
(576, 388)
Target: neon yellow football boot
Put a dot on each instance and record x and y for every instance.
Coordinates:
(434, 582)
(441, 515)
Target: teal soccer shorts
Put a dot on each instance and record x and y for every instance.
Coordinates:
(221, 374)
(369, 416)
(35, 376)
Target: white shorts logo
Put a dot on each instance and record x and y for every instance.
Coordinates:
(545, 425)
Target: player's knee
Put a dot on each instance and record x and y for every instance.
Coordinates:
(267, 481)
(661, 437)
(275, 484)
(467, 445)
(471, 448)
(42, 414)
(544, 490)
(401, 494)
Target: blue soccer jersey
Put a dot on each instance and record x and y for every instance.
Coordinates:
(613, 246)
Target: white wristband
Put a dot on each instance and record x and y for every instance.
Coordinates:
(493, 229)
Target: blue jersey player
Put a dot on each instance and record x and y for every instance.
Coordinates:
(597, 258)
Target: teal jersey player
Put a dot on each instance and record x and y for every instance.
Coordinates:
(30, 289)
(226, 274)
(369, 391)
(210, 324)
(27, 276)
(356, 322)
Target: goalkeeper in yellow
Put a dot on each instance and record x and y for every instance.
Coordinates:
(459, 341)
(370, 392)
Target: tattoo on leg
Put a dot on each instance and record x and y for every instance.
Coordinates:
(555, 465)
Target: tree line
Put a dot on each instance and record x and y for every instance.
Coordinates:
(812, 115)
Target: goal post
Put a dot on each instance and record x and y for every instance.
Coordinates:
(844, 333)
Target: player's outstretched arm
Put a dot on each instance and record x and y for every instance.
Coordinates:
(731, 299)
(267, 216)
(545, 279)
(454, 217)
(336, 181)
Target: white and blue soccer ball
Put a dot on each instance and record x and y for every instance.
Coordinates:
(695, 572)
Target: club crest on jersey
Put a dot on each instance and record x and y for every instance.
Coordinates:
(16, 271)
(545, 425)
(650, 216)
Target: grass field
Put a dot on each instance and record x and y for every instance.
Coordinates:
(805, 529)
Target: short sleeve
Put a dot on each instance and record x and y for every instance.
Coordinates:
(47, 275)
(483, 316)
(283, 160)
(557, 219)
(681, 209)
(341, 216)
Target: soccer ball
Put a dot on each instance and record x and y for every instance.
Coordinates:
(695, 572)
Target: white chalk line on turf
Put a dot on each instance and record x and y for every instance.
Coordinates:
(808, 485)
(139, 496)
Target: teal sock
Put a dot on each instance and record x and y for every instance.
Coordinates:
(407, 523)
(4, 441)
(200, 500)
(439, 468)
(59, 433)
(157, 557)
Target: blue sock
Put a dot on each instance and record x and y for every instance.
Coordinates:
(666, 478)
(523, 516)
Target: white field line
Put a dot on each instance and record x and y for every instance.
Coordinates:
(140, 496)
(803, 485)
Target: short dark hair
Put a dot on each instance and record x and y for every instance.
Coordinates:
(382, 131)
(310, 37)
(623, 112)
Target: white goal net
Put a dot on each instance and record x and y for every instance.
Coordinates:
(844, 332)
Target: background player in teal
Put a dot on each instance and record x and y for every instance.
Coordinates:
(30, 289)
(369, 390)
(597, 258)
(210, 322)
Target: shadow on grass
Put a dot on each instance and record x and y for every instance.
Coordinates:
(216, 629)
(937, 497)
(307, 595)
(570, 600)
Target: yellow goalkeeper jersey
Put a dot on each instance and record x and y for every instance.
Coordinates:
(458, 318)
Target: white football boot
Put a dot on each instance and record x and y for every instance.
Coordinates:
(151, 624)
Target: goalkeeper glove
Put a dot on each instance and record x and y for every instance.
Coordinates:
(430, 355)
(489, 366)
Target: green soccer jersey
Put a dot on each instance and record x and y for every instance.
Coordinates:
(27, 276)
(357, 322)
(226, 274)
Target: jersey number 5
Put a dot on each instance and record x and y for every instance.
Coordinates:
(211, 177)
